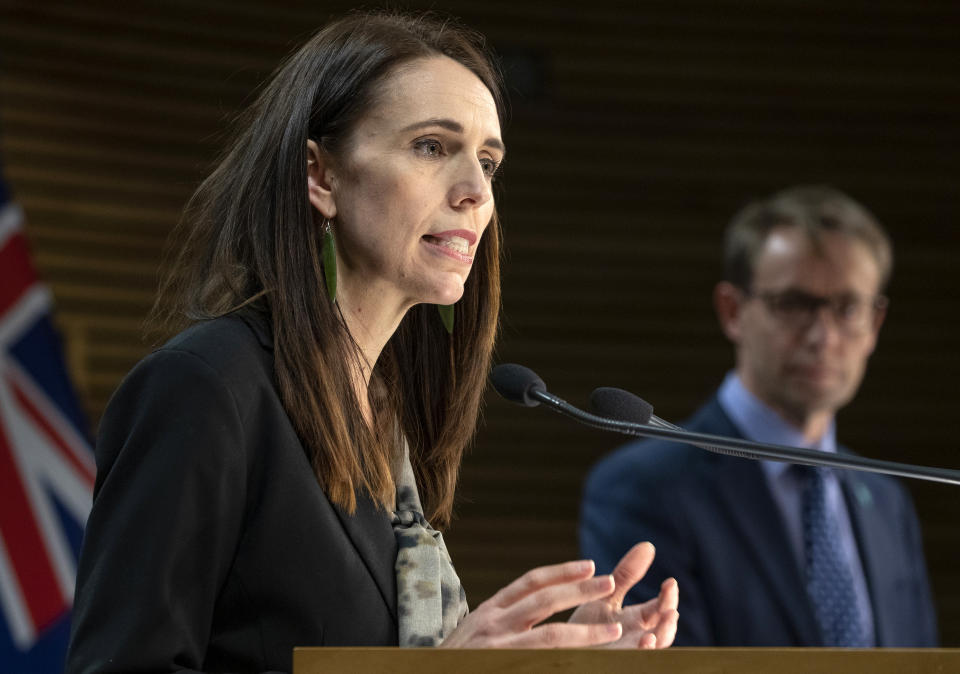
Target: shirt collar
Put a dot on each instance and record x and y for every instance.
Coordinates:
(759, 423)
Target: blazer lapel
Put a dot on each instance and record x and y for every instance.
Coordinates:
(873, 543)
(369, 527)
(742, 489)
(370, 531)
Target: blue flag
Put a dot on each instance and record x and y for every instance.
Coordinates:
(46, 466)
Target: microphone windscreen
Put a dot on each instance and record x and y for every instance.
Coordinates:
(615, 403)
(516, 383)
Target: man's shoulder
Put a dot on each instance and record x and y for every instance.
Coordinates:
(661, 464)
(868, 487)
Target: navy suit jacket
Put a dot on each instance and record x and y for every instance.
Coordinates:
(718, 531)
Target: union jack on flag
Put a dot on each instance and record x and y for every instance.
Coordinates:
(46, 466)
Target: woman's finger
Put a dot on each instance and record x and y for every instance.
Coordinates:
(666, 631)
(649, 611)
(632, 567)
(641, 616)
(543, 603)
(541, 577)
(566, 635)
(669, 594)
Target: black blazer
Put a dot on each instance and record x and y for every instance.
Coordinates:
(719, 532)
(210, 545)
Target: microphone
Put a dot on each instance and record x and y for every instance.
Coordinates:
(521, 385)
(616, 403)
(517, 384)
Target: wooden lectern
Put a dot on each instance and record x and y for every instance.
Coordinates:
(670, 661)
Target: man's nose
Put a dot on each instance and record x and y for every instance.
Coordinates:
(824, 327)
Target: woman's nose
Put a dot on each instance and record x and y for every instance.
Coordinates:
(472, 187)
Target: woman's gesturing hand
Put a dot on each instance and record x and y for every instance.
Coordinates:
(509, 619)
(652, 624)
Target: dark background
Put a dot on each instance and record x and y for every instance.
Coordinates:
(637, 129)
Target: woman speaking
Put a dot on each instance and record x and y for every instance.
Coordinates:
(272, 475)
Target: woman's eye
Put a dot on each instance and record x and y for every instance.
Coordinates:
(489, 166)
(429, 147)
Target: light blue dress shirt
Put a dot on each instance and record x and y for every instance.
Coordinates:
(757, 422)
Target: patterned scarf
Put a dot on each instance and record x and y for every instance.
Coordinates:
(430, 599)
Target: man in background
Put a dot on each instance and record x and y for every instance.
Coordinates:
(768, 553)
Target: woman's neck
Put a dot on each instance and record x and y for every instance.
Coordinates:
(372, 319)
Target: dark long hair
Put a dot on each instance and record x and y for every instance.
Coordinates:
(249, 235)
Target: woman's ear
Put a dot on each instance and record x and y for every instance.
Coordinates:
(319, 181)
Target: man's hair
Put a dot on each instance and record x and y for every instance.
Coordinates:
(813, 209)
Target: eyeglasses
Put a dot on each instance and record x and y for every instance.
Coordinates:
(854, 314)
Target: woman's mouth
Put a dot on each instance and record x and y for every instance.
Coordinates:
(455, 247)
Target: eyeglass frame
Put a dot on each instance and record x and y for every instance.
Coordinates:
(770, 299)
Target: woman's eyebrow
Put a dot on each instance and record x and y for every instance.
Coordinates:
(454, 126)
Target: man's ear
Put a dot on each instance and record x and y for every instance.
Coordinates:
(728, 303)
(878, 318)
(319, 181)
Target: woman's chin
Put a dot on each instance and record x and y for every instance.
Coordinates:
(447, 293)
(446, 298)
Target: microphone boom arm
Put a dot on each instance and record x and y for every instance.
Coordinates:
(745, 449)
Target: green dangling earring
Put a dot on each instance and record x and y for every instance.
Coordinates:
(446, 315)
(329, 254)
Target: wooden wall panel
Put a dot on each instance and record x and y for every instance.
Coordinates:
(637, 130)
